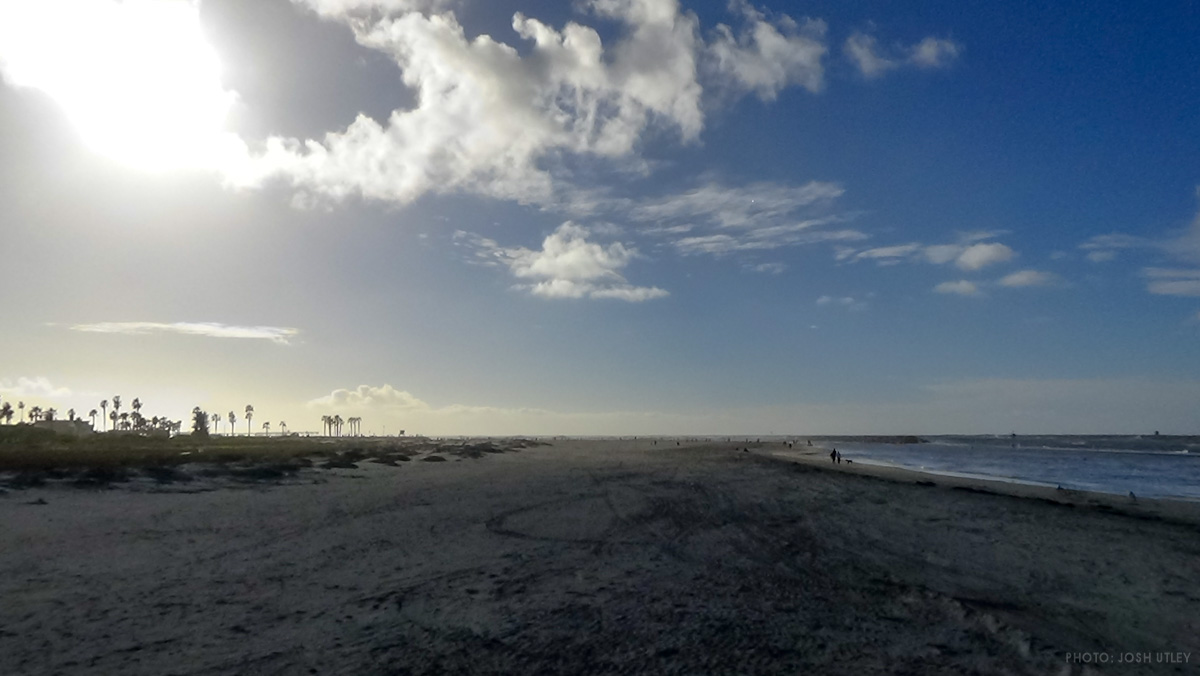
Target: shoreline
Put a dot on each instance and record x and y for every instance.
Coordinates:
(1179, 510)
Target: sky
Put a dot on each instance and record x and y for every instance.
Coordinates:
(605, 217)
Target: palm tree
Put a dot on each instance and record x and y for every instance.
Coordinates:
(124, 418)
(137, 405)
(249, 416)
(35, 413)
(21, 405)
(283, 428)
(112, 416)
(216, 419)
(117, 405)
(6, 413)
(337, 422)
(232, 420)
(267, 428)
(104, 412)
(49, 414)
(325, 424)
(71, 414)
(92, 414)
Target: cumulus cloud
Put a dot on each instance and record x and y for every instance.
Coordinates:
(487, 115)
(765, 56)
(275, 334)
(369, 396)
(38, 387)
(960, 287)
(495, 120)
(873, 61)
(567, 266)
(1028, 278)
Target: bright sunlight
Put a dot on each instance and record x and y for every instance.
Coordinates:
(136, 77)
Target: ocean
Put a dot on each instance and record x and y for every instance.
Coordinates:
(1149, 466)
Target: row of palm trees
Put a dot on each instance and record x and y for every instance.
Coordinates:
(332, 425)
(214, 419)
(132, 421)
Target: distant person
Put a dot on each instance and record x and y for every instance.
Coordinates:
(833, 456)
(839, 458)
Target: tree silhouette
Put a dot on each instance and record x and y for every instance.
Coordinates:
(267, 428)
(199, 423)
(112, 417)
(249, 417)
(103, 413)
(116, 402)
(49, 414)
(232, 420)
(35, 413)
(283, 428)
(337, 422)
(92, 414)
(21, 406)
(71, 414)
(6, 412)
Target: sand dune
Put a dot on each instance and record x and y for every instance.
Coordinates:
(587, 557)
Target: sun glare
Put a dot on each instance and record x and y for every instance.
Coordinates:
(136, 77)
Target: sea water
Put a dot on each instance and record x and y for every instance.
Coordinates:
(1148, 466)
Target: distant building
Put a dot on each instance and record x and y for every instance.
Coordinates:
(76, 427)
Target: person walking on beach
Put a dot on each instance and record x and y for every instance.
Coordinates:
(833, 456)
(839, 458)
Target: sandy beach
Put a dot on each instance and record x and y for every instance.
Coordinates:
(594, 557)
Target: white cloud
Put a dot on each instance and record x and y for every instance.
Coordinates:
(1028, 278)
(765, 57)
(768, 268)
(848, 302)
(863, 50)
(498, 121)
(487, 115)
(874, 61)
(368, 396)
(726, 206)
(934, 53)
(978, 256)
(567, 266)
(886, 255)
(961, 287)
(1103, 248)
(1173, 281)
(965, 255)
(365, 8)
(275, 334)
(38, 387)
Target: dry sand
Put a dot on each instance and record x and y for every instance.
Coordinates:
(591, 558)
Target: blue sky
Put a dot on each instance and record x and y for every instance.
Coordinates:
(606, 217)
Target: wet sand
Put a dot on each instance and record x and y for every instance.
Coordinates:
(592, 557)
